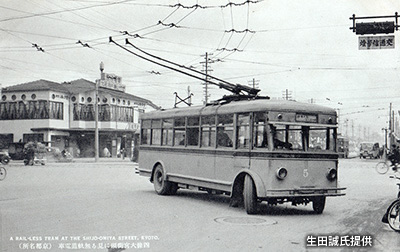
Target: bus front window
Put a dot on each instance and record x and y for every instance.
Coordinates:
(322, 139)
(287, 137)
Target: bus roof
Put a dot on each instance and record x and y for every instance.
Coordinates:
(242, 107)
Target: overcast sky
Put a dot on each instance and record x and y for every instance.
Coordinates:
(304, 46)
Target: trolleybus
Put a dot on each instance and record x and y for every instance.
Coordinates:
(253, 150)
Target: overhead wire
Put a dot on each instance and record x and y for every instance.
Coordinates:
(226, 85)
(62, 11)
(53, 18)
(175, 64)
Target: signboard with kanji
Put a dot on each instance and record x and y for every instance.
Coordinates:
(111, 81)
(375, 42)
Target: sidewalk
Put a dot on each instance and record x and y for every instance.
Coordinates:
(102, 160)
(86, 160)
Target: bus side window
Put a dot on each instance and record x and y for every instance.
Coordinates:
(260, 135)
(225, 130)
(193, 131)
(208, 129)
(280, 134)
(146, 132)
(167, 130)
(243, 131)
(156, 132)
(179, 131)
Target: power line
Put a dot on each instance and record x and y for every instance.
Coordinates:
(62, 11)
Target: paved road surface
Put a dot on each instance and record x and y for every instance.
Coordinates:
(86, 204)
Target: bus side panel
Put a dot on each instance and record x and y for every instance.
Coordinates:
(227, 166)
(261, 167)
(181, 162)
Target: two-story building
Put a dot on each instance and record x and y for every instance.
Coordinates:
(63, 115)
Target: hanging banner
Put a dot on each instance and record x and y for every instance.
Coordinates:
(375, 42)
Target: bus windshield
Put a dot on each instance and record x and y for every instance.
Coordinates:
(303, 138)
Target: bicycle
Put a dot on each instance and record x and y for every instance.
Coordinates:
(383, 166)
(392, 215)
(3, 173)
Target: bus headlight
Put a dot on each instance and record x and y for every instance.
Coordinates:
(281, 173)
(331, 174)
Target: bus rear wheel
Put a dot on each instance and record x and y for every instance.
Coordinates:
(319, 204)
(250, 195)
(161, 185)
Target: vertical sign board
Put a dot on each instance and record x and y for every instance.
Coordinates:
(375, 42)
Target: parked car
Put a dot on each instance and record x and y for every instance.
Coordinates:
(370, 150)
(4, 157)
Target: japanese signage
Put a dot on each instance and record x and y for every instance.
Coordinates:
(306, 118)
(111, 81)
(375, 42)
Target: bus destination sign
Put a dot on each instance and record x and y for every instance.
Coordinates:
(306, 118)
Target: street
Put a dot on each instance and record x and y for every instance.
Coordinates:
(84, 206)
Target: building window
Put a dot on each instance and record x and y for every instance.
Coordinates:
(129, 102)
(23, 97)
(73, 98)
(53, 96)
(123, 102)
(113, 100)
(56, 110)
(31, 110)
(35, 137)
(83, 99)
(89, 99)
(4, 97)
(119, 101)
(33, 96)
(13, 97)
(105, 100)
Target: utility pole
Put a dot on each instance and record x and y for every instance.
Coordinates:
(96, 112)
(287, 95)
(206, 70)
(253, 83)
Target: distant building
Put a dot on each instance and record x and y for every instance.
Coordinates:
(63, 115)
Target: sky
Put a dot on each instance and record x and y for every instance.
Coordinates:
(302, 46)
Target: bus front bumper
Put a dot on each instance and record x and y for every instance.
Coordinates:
(305, 192)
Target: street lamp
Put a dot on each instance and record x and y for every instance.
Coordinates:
(96, 112)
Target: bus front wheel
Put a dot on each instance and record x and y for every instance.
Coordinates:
(161, 185)
(250, 195)
(319, 204)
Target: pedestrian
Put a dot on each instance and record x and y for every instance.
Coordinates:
(106, 152)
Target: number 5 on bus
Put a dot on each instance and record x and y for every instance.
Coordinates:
(253, 150)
